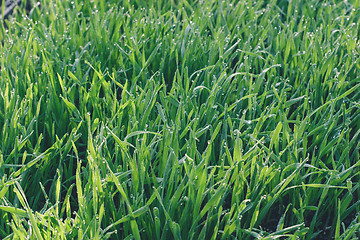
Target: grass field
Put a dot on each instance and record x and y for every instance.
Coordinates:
(180, 119)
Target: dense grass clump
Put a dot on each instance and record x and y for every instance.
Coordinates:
(180, 119)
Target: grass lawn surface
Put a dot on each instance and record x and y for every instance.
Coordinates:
(180, 119)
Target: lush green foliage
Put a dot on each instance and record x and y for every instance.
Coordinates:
(180, 119)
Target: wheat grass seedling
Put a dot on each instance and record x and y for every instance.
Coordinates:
(180, 120)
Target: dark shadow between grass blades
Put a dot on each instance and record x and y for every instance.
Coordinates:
(9, 7)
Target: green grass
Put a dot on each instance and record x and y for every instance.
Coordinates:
(180, 120)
